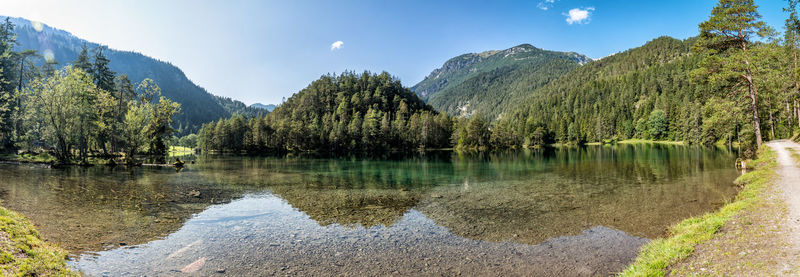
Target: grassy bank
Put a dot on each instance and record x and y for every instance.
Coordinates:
(645, 141)
(656, 257)
(23, 253)
(29, 158)
(637, 141)
(180, 149)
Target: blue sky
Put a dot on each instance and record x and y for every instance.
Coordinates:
(261, 51)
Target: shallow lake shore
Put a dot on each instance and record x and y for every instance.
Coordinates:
(23, 253)
(749, 236)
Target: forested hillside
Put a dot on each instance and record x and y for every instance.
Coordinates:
(663, 91)
(607, 98)
(480, 83)
(199, 106)
(348, 113)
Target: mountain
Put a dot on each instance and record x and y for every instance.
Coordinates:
(479, 83)
(237, 107)
(268, 107)
(614, 96)
(198, 106)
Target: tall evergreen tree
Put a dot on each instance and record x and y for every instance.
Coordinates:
(102, 74)
(7, 84)
(792, 44)
(83, 62)
(726, 39)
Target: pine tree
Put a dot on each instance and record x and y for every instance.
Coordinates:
(102, 74)
(792, 44)
(726, 39)
(82, 62)
(7, 84)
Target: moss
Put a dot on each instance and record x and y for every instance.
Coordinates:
(656, 257)
(23, 253)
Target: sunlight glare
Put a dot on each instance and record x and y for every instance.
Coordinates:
(38, 26)
(49, 56)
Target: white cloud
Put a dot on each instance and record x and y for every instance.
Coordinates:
(579, 16)
(545, 5)
(337, 45)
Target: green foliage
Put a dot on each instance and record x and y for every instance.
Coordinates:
(488, 83)
(657, 124)
(147, 123)
(726, 41)
(136, 120)
(7, 65)
(189, 141)
(612, 98)
(103, 76)
(82, 62)
(345, 114)
(65, 103)
(473, 134)
(199, 106)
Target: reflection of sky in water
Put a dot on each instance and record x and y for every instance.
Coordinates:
(263, 235)
(500, 213)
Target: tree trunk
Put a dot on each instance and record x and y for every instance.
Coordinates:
(771, 126)
(789, 116)
(796, 89)
(751, 88)
(796, 112)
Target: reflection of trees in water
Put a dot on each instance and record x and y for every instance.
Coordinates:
(349, 207)
(638, 189)
(89, 209)
(526, 196)
(531, 213)
(340, 192)
(639, 161)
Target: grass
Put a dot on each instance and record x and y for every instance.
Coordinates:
(795, 155)
(646, 141)
(657, 256)
(637, 141)
(29, 158)
(180, 149)
(23, 253)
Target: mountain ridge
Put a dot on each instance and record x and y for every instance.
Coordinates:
(476, 83)
(198, 105)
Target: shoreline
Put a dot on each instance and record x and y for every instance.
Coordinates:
(23, 251)
(745, 236)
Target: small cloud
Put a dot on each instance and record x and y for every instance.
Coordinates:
(579, 16)
(545, 5)
(337, 45)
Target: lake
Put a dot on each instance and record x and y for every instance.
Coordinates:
(564, 211)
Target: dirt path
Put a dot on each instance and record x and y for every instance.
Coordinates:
(763, 239)
(788, 181)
